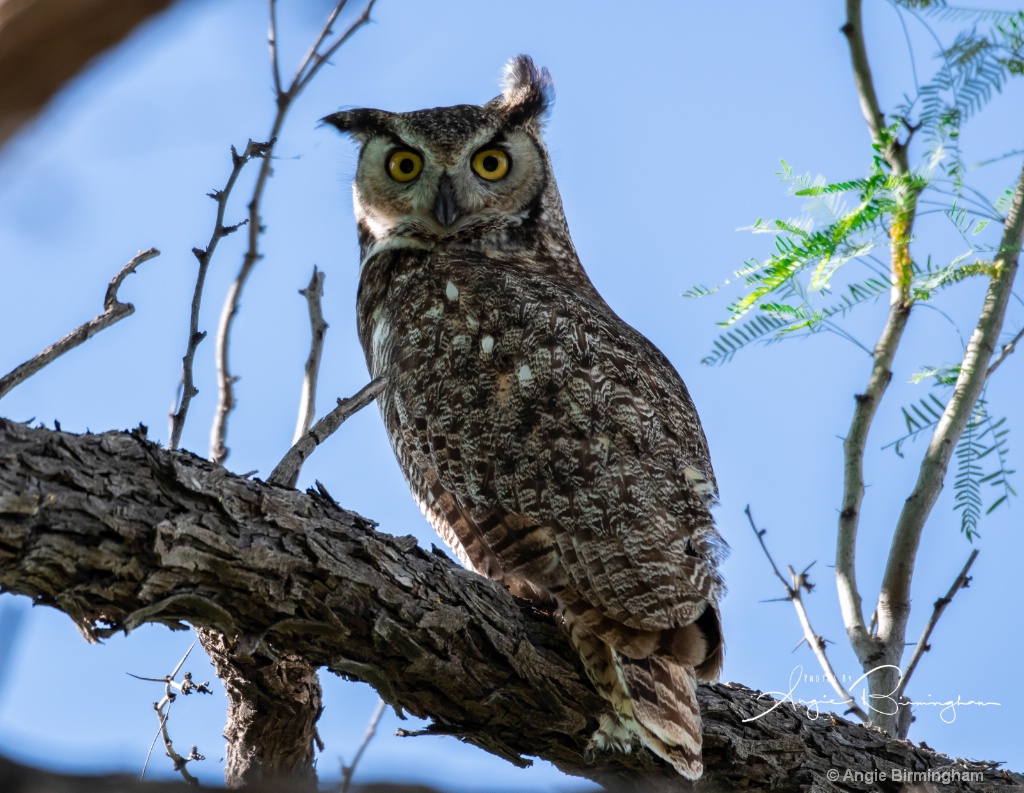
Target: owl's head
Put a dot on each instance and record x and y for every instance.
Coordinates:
(463, 176)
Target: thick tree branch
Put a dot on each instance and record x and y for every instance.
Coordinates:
(869, 649)
(116, 532)
(853, 480)
(44, 44)
(894, 599)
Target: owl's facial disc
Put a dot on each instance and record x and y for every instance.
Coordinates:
(414, 189)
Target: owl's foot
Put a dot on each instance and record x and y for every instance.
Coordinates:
(611, 735)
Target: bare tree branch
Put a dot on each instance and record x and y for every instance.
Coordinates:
(287, 471)
(275, 61)
(318, 330)
(117, 532)
(347, 771)
(961, 582)
(862, 70)
(315, 59)
(794, 593)
(113, 311)
(195, 336)
(312, 63)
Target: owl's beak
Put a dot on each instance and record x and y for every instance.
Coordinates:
(446, 210)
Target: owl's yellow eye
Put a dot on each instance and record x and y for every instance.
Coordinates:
(404, 165)
(491, 164)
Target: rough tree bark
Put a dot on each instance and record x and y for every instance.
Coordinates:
(117, 532)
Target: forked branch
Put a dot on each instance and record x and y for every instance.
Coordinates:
(287, 471)
(311, 64)
(797, 583)
(188, 387)
(894, 599)
(113, 311)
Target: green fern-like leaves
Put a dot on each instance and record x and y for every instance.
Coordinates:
(795, 289)
(972, 70)
(739, 336)
(981, 455)
(799, 248)
(932, 280)
(920, 416)
(981, 458)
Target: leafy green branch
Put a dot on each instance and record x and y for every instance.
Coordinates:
(824, 253)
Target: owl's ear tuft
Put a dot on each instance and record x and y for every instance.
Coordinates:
(363, 123)
(527, 92)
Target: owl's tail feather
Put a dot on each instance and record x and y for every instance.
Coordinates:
(663, 693)
(654, 700)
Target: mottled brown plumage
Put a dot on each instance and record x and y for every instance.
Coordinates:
(550, 444)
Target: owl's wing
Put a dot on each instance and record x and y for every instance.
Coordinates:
(598, 441)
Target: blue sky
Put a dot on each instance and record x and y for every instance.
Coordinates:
(669, 125)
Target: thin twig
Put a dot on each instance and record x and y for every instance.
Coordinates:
(962, 581)
(287, 470)
(322, 58)
(311, 64)
(152, 744)
(163, 709)
(275, 62)
(325, 31)
(318, 330)
(187, 387)
(180, 763)
(794, 593)
(113, 311)
(1005, 352)
(348, 770)
(759, 533)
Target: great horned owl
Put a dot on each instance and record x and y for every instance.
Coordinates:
(551, 445)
